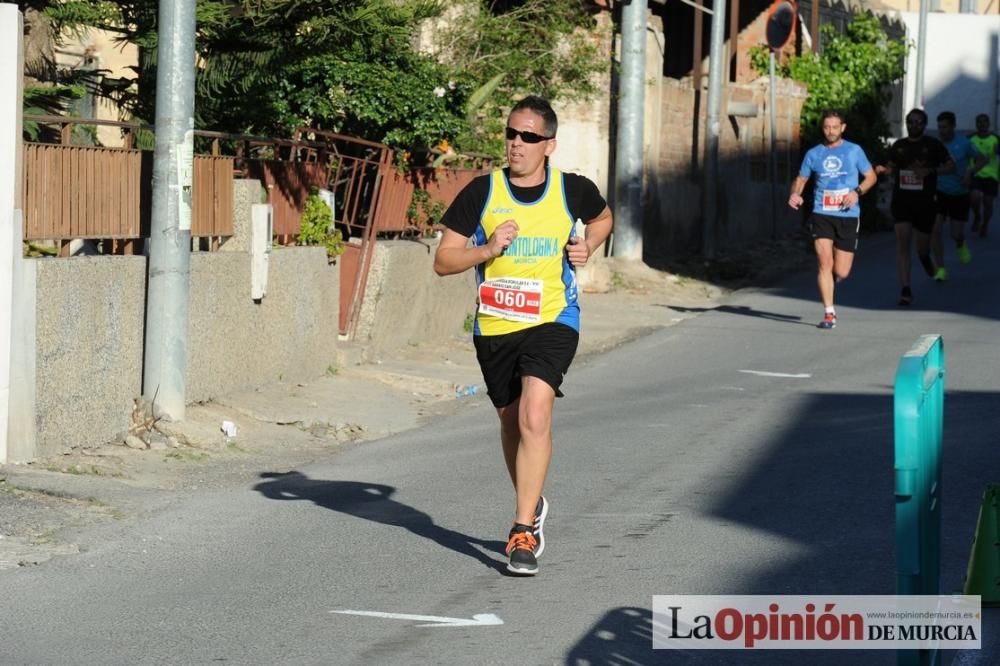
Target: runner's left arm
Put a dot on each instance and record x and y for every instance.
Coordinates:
(868, 180)
(586, 204)
(595, 233)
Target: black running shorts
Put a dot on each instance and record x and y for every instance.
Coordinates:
(987, 186)
(953, 206)
(917, 210)
(544, 351)
(843, 231)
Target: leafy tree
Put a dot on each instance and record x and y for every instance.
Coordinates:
(49, 89)
(853, 74)
(543, 47)
(351, 66)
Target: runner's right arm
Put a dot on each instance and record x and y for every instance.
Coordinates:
(978, 159)
(453, 254)
(795, 199)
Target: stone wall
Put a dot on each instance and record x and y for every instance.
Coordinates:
(89, 334)
(407, 303)
(89, 337)
(236, 343)
(673, 212)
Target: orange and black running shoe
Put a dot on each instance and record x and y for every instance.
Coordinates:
(521, 549)
(538, 528)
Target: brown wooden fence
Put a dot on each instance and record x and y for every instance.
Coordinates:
(82, 192)
(441, 185)
(86, 192)
(212, 198)
(288, 186)
(95, 193)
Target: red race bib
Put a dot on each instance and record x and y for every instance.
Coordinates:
(514, 299)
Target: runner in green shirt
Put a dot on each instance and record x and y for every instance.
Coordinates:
(983, 189)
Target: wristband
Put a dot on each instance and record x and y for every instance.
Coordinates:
(859, 191)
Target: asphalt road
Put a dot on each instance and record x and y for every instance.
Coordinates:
(742, 451)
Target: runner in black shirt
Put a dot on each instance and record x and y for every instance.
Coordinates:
(915, 162)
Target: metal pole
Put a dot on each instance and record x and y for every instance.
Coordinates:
(918, 94)
(629, 149)
(734, 40)
(995, 58)
(814, 25)
(774, 140)
(699, 99)
(11, 78)
(165, 363)
(710, 190)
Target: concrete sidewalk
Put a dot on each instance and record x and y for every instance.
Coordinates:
(46, 505)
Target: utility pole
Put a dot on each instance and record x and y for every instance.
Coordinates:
(169, 283)
(629, 149)
(11, 77)
(710, 181)
(918, 89)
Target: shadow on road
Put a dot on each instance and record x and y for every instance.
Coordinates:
(743, 310)
(372, 501)
(827, 484)
(623, 636)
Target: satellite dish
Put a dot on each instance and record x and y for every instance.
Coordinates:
(780, 23)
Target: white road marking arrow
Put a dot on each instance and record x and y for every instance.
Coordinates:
(763, 373)
(480, 620)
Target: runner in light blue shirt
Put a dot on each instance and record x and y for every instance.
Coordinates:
(836, 215)
(952, 199)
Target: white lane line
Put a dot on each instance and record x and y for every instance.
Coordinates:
(480, 620)
(764, 373)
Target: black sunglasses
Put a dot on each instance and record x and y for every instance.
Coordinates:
(527, 137)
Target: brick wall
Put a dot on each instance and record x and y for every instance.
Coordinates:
(673, 224)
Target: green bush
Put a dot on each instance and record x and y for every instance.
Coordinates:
(316, 227)
(424, 212)
(854, 74)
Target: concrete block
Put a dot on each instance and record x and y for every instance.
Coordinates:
(90, 316)
(246, 192)
(406, 302)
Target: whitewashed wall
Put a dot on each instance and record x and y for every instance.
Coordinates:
(960, 68)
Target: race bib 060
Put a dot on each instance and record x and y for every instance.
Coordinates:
(514, 299)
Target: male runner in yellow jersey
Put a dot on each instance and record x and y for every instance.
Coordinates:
(521, 221)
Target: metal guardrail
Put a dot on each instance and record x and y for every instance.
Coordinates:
(919, 426)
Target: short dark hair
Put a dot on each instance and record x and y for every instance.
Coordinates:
(919, 112)
(947, 117)
(832, 113)
(983, 116)
(542, 107)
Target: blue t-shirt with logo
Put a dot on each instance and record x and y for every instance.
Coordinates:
(963, 152)
(836, 172)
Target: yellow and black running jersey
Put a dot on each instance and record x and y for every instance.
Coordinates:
(532, 282)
